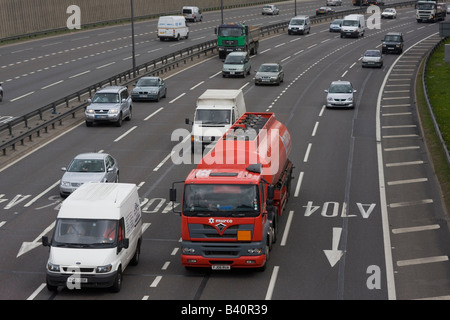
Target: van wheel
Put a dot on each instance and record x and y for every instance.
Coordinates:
(135, 260)
(118, 281)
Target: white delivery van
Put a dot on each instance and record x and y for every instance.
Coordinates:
(98, 232)
(353, 25)
(172, 27)
(299, 25)
(217, 110)
(193, 14)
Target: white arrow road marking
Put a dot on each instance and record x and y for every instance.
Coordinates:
(334, 255)
(28, 246)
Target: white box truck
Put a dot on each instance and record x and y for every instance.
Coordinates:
(217, 110)
(172, 27)
(353, 25)
(98, 232)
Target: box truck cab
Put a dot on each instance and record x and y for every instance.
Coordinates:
(353, 25)
(98, 232)
(215, 113)
(172, 27)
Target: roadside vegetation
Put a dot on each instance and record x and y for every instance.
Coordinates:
(437, 78)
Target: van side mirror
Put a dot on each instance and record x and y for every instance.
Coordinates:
(45, 242)
(187, 121)
(124, 244)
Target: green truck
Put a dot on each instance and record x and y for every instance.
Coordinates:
(237, 37)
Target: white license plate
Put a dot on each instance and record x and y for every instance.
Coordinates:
(143, 96)
(220, 267)
(231, 72)
(77, 280)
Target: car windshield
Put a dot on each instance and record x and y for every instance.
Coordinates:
(388, 10)
(212, 116)
(147, 83)
(392, 38)
(372, 53)
(340, 88)
(339, 22)
(268, 68)
(87, 165)
(234, 59)
(297, 22)
(85, 233)
(230, 32)
(106, 97)
(221, 200)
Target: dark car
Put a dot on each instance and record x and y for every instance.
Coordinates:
(1, 93)
(269, 73)
(392, 42)
(324, 10)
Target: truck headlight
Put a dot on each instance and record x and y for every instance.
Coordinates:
(254, 251)
(104, 269)
(53, 267)
(188, 250)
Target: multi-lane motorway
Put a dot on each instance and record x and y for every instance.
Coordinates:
(365, 220)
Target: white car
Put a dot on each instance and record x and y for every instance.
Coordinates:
(334, 2)
(389, 13)
(340, 94)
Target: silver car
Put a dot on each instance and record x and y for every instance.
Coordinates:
(88, 167)
(110, 104)
(1, 93)
(269, 73)
(372, 58)
(149, 88)
(340, 94)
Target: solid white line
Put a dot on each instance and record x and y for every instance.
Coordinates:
(126, 133)
(36, 292)
(41, 194)
(273, 280)
(53, 84)
(286, 229)
(415, 229)
(153, 113)
(299, 182)
(155, 282)
(172, 101)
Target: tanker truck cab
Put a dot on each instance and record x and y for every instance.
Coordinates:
(97, 234)
(216, 111)
(231, 202)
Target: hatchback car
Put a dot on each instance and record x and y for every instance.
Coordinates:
(335, 25)
(372, 58)
(392, 42)
(270, 9)
(269, 73)
(149, 88)
(1, 92)
(110, 104)
(340, 94)
(389, 13)
(88, 167)
(324, 10)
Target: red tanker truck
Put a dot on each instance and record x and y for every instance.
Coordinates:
(232, 200)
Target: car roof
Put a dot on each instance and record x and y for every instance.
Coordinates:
(112, 89)
(394, 33)
(341, 82)
(91, 155)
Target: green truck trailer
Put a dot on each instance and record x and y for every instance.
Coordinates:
(237, 37)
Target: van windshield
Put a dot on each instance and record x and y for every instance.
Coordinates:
(213, 116)
(297, 22)
(350, 23)
(85, 233)
(221, 200)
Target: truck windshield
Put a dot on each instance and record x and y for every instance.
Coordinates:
(221, 200)
(425, 6)
(85, 233)
(230, 32)
(213, 116)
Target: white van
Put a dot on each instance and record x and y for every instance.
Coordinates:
(193, 14)
(299, 25)
(98, 232)
(353, 25)
(217, 110)
(172, 27)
